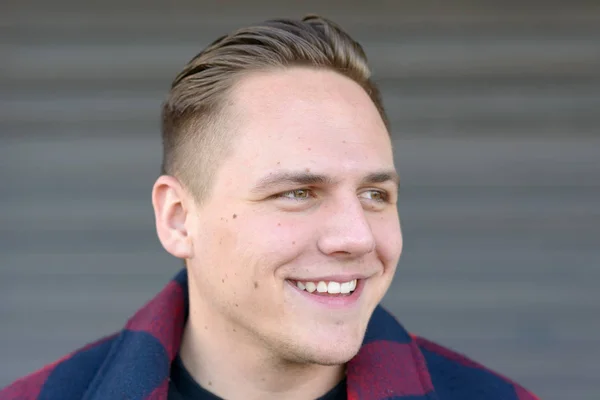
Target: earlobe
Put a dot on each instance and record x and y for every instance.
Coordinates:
(169, 201)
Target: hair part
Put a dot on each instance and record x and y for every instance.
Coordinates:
(195, 134)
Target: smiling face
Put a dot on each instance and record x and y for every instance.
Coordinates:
(307, 196)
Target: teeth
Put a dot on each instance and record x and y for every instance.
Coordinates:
(345, 287)
(334, 287)
(352, 285)
(322, 287)
(331, 287)
(310, 287)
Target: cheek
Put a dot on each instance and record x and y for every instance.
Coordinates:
(253, 246)
(284, 235)
(232, 265)
(388, 237)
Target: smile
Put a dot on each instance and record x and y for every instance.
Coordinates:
(328, 288)
(334, 294)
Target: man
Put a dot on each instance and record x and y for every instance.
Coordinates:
(279, 191)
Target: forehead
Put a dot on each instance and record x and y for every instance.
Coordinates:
(298, 118)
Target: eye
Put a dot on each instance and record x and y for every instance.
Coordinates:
(297, 194)
(375, 195)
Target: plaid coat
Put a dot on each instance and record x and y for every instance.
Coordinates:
(135, 363)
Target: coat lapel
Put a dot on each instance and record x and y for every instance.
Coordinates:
(389, 365)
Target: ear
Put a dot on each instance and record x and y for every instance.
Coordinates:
(171, 209)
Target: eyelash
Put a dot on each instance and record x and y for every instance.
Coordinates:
(284, 194)
(384, 195)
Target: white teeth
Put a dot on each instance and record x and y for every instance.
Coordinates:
(331, 287)
(345, 287)
(321, 287)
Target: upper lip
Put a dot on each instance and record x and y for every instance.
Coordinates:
(328, 278)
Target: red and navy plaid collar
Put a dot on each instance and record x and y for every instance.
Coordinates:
(135, 363)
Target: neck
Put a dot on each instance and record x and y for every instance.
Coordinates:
(223, 360)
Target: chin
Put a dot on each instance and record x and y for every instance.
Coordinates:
(334, 359)
(330, 353)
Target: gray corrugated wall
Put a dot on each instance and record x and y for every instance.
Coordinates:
(496, 115)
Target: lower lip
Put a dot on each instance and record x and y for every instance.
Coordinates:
(342, 301)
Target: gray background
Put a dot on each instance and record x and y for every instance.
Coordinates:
(496, 122)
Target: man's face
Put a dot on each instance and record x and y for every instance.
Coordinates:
(305, 201)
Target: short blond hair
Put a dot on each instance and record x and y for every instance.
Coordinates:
(194, 140)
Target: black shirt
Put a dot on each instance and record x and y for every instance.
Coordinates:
(183, 387)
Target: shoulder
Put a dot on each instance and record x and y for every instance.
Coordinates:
(456, 376)
(66, 377)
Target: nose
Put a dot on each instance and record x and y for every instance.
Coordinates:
(346, 232)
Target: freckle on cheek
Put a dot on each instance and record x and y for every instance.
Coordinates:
(255, 285)
(234, 216)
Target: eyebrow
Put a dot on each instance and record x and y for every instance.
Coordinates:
(382, 177)
(307, 178)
